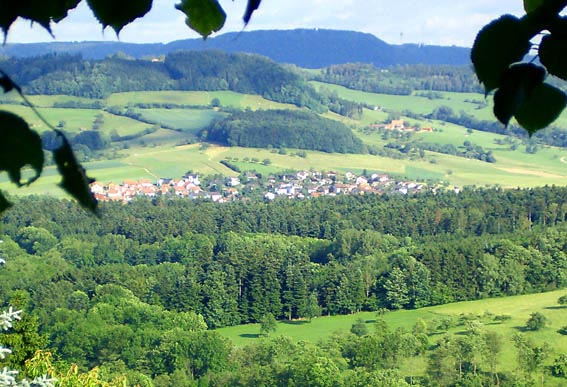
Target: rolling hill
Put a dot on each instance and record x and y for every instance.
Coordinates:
(310, 48)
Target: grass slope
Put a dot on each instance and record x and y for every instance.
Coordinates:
(415, 103)
(518, 307)
(188, 120)
(202, 98)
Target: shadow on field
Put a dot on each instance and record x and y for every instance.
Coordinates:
(294, 322)
(371, 321)
(522, 329)
(556, 307)
(250, 335)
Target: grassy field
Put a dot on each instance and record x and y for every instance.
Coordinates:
(188, 120)
(202, 98)
(414, 103)
(77, 119)
(46, 100)
(518, 307)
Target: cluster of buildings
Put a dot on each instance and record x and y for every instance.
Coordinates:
(401, 125)
(299, 185)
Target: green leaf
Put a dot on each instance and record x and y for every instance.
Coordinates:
(74, 179)
(4, 203)
(543, 106)
(532, 5)
(517, 85)
(20, 146)
(250, 8)
(499, 44)
(117, 14)
(203, 16)
(552, 55)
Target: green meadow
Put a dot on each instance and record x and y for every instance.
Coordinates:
(415, 103)
(196, 98)
(188, 120)
(518, 308)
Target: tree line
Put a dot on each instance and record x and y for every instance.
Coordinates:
(401, 79)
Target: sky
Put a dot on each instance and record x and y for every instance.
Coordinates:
(437, 22)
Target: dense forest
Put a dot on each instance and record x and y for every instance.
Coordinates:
(121, 290)
(284, 128)
(400, 80)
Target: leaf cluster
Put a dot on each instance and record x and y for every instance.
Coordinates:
(501, 60)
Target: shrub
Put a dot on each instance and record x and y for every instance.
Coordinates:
(536, 322)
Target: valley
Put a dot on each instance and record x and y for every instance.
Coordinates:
(161, 154)
(425, 245)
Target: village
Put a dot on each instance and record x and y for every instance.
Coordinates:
(296, 185)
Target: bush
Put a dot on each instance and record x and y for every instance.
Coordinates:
(536, 322)
(502, 317)
(359, 328)
(559, 367)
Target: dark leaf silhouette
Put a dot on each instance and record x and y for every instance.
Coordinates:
(20, 146)
(516, 87)
(250, 8)
(499, 44)
(552, 55)
(542, 108)
(4, 203)
(38, 11)
(74, 179)
(7, 84)
(117, 14)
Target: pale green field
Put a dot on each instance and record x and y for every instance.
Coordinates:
(46, 100)
(202, 98)
(123, 125)
(76, 119)
(416, 104)
(190, 120)
(518, 307)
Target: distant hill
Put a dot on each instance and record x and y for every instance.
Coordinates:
(309, 48)
(181, 70)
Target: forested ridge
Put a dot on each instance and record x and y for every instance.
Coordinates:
(151, 271)
(400, 79)
(311, 48)
(189, 70)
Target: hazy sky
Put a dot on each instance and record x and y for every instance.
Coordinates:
(442, 22)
